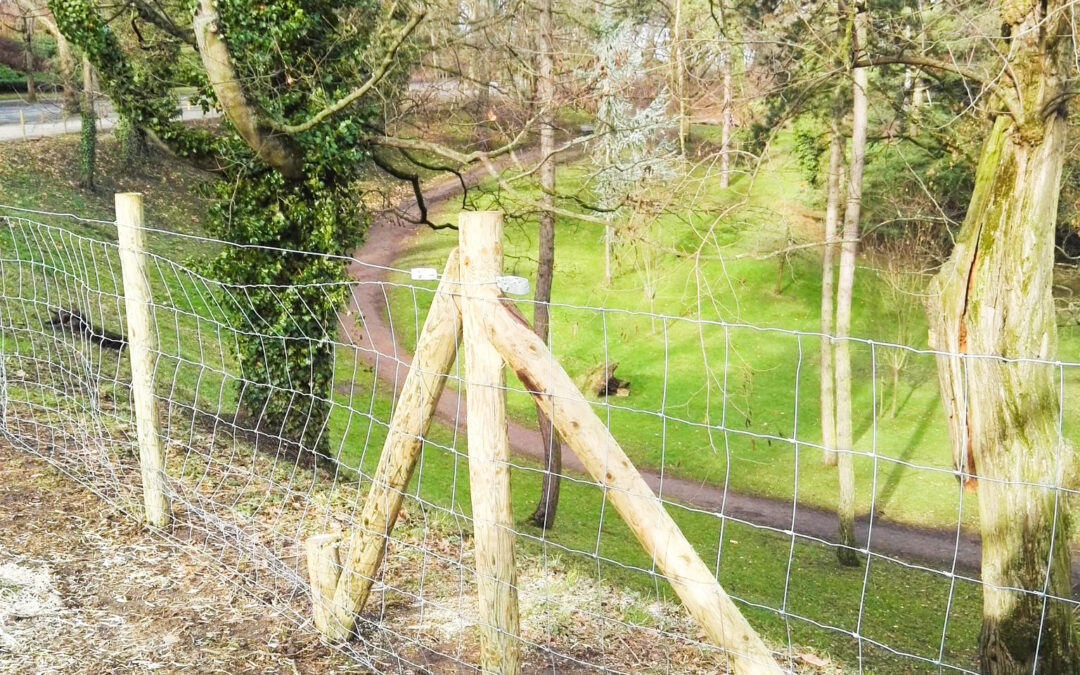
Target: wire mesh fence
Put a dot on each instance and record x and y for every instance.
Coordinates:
(721, 419)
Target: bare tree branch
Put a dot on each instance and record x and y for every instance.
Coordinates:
(344, 101)
(914, 60)
(164, 22)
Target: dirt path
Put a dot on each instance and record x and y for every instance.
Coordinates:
(389, 234)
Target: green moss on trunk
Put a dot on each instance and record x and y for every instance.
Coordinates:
(993, 299)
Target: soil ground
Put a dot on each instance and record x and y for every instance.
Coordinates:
(85, 589)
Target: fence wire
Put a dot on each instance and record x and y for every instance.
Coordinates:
(720, 419)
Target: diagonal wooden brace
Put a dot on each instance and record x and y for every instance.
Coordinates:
(555, 393)
(436, 350)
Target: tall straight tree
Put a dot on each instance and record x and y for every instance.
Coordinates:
(678, 79)
(27, 30)
(992, 300)
(833, 186)
(727, 118)
(845, 437)
(544, 515)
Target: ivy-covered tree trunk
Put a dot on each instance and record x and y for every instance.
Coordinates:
(992, 300)
(88, 133)
(289, 304)
(299, 89)
(132, 141)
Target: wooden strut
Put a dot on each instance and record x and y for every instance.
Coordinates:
(489, 469)
(436, 350)
(643, 512)
(142, 341)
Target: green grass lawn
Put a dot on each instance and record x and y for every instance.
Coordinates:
(789, 590)
(725, 329)
(793, 591)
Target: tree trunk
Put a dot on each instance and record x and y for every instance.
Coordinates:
(726, 122)
(832, 217)
(88, 135)
(844, 429)
(993, 299)
(544, 515)
(28, 58)
(132, 142)
(277, 150)
(895, 391)
(609, 235)
(918, 85)
(679, 64)
(69, 97)
(65, 62)
(779, 287)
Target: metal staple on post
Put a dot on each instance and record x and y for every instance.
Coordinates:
(142, 339)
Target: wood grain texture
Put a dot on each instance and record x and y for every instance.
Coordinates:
(436, 350)
(142, 342)
(555, 392)
(489, 470)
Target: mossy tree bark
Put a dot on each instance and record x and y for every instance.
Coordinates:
(88, 135)
(993, 299)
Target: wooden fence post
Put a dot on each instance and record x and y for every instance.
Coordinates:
(324, 569)
(436, 350)
(643, 512)
(480, 238)
(142, 339)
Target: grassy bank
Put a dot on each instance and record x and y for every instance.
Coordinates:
(793, 591)
(705, 324)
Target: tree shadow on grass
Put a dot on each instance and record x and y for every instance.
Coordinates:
(892, 480)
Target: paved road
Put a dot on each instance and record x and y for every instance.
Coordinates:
(46, 118)
(46, 109)
(20, 120)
